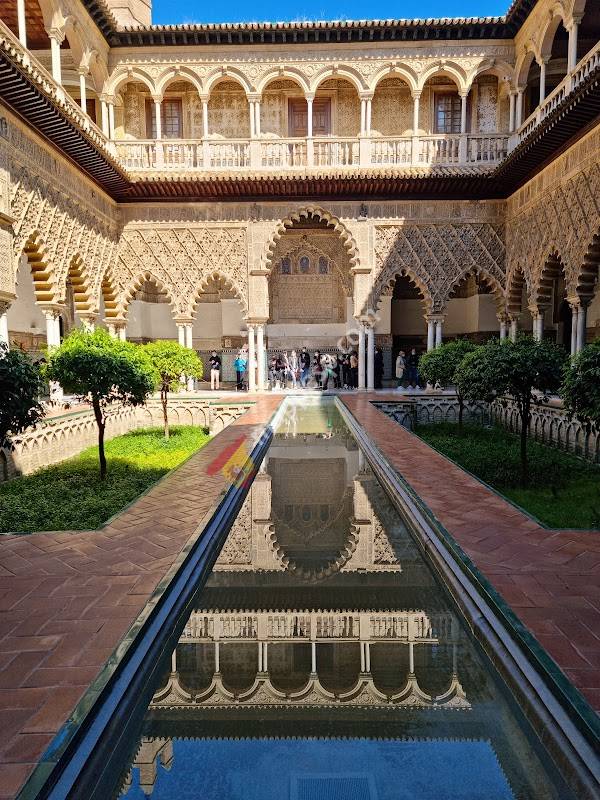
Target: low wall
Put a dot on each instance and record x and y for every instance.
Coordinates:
(550, 423)
(58, 438)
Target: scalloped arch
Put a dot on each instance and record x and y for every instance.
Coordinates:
(229, 283)
(42, 271)
(492, 282)
(586, 282)
(386, 283)
(138, 282)
(304, 213)
(515, 281)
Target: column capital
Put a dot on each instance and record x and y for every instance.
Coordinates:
(184, 321)
(575, 301)
(574, 21)
(57, 34)
(256, 321)
(157, 98)
(435, 317)
(83, 69)
(309, 96)
(366, 95)
(52, 310)
(253, 97)
(502, 316)
(416, 93)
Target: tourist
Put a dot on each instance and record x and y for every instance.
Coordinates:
(304, 367)
(292, 368)
(400, 367)
(337, 371)
(317, 368)
(378, 368)
(354, 370)
(412, 363)
(240, 368)
(276, 371)
(346, 370)
(215, 370)
(328, 375)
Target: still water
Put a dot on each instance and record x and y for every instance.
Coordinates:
(323, 661)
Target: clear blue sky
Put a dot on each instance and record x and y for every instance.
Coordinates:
(168, 11)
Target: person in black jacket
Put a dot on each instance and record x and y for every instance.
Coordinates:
(412, 363)
(304, 367)
(378, 368)
(215, 370)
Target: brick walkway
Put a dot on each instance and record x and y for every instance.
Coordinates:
(66, 599)
(551, 578)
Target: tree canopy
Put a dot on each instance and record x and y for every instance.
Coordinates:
(21, 386)
(439, 366)
(171, 361)
(580, 389)
(103, 370)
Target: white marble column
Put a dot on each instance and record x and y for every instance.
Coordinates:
(519, 109)
(252, 118)
(368, 109)
(261, 356)
(104, 116)
(157, 117)
(572, 47)
(257, 117)
(538, 326)
(574, 316)
(313, 658)
(361, 356)
(111, 119)
(251, 360)
(363, 116)
(511, 112)
(439, 329)
(4, 323)
(205, 117)
(463, 112)
(543, 80)
(581, 327)
(514, 329)
(189, 343)
(309, 116)
(22, 22)
(503, 329)
(415, 128)
(83, 88)
(56, 37)
(370, 358)
(181, 333)
(53, 340)
(430, 333)
(217, 659)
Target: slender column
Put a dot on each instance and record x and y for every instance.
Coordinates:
(56, 39)
(217, 658)
(260, 657)
(519, 109)
(257, 117)
(181, 333)
(174, 661)
(251, 360)
(265, 646)
(53, 340)
(362, 657)
(82, 89)
(260, 357)
(252, 119)
(538, 325)
(369, 101)
(22, 22)
(4, 323)
(572, 52)
(439, 328)
(543, 81)
(111, 120)
(157, 118)
(574, 315)
(581, 326)
(88, 323)
(370, 358)
(463, 112)
(309, 116)
(363, 116)
(189, 343)
(205, 117)
(122, 332)
(361, 355)
(430, 334)
(411, 658)
(104, 114)
(514, 329)
(511, 112)
(503, 329)
(368, 656)
(416, 96)
(313, 658)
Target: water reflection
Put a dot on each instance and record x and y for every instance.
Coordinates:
(322, 660)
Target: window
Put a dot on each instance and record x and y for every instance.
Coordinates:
(447, 113)
(286, 266)
(171, 119)
(323, 266)
(304, 264)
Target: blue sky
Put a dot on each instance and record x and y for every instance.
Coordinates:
(167, 11)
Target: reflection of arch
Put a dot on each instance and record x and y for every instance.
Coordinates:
(401, 71)
(227, 74)
(138, 283)
(218, 277)
(178, 74)
(44, 282)
(589, 271)
(514, 292)
(349, 73)
(289, 73)
(305, 213)
(490, 281)
(552, 270)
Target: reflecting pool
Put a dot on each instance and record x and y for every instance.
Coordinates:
(323, 661)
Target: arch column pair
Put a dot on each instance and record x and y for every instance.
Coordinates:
(366, 353)
(578, 324)
(435, 330)
(257, 356)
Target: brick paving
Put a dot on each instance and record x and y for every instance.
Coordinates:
(67, 598)
(551, 578)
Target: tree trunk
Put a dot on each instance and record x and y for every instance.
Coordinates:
(163, 399)
(525, 407)
(101, 426)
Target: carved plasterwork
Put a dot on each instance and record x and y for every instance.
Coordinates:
(182, 259)
(436, 257)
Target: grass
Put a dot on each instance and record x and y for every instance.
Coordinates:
(564, 492)
(71, 496)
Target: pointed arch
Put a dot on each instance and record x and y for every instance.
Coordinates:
(552, 269)
(515, 283)
(385, 285)
(492, 282)
(137, 283)
(305, 213)
(588, 275)
(230, 285)
(77, 276)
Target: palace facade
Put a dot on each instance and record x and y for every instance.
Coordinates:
(327, 184)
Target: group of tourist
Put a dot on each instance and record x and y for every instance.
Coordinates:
(320, 371)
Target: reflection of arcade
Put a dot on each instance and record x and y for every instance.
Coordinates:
(320, 614)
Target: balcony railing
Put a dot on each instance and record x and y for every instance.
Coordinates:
(290, 154)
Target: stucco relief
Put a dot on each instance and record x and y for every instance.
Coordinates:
(182, 258)
(437, 256)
